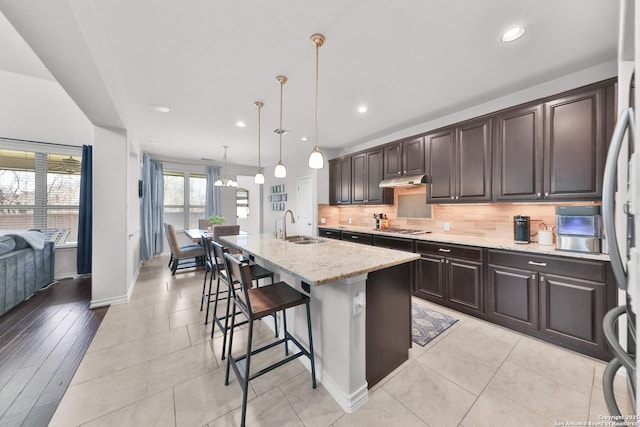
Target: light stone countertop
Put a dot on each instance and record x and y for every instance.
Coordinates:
(319, 263)
(478, 241)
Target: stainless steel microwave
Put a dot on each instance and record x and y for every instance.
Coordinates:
(579, 228)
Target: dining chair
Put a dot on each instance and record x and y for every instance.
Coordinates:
(254, 304)
(186, 256)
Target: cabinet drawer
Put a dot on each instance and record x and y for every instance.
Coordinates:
(349, 236)
(393, 243)
(330, 233)
(572, 267)
(455, 251)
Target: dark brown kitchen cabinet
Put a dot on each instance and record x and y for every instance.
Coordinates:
(559, 299)
(459, 163)
(366, 170)
(440, 165)
(363, 238)
(451, 275)
(330, 233)
(574, 146)
(517, 166)
(340, 181)
(404, 158)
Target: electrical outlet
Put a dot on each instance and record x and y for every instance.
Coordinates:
(349, 220)
(323, 220)
(447, 226)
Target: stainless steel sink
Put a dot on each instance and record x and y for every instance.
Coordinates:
(303, 240)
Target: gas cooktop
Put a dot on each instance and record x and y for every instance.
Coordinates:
(403, 231)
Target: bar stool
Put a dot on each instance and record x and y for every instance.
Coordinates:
(258, 272)
(257, 303)
(208, 268)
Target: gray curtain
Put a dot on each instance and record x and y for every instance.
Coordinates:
(213, 193)
(151, 208)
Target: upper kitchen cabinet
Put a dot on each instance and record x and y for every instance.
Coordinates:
(340, 181)
(366, 174)
(404, 158)
(517, 170)
(458, 161)
(574, 146)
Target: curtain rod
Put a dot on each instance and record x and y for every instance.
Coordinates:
(39, 142)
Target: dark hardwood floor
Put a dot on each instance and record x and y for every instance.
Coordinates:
(42, 342)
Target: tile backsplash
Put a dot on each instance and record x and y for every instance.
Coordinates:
(494, 220)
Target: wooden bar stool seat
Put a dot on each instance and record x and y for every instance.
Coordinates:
(256, 303)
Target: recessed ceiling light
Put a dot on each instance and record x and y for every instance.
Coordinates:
(362, 109)
(513, 33)
(304, 138)
(241, 124)
(160, 108)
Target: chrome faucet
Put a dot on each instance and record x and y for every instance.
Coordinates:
(284, 222)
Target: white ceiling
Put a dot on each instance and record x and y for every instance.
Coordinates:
(409, 61)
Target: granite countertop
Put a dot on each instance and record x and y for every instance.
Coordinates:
(319, 263)
(484, 242)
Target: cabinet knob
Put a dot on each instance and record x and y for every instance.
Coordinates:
(546, 194)
(451, 197)
(539, 194)
(533, 276)
(457, 197)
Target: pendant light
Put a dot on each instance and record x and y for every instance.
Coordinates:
(281, 171)
(225, 181)
(259, 179)
(316, 159)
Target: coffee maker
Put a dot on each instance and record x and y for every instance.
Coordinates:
(521, 229)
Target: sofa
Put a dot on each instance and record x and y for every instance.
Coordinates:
(26, 266)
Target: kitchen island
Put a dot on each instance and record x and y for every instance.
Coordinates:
(360, 307)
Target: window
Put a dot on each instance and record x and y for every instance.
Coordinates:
(40, 190)
(184, 198)
(242, 203)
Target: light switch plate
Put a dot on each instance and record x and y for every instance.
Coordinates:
(447, 226)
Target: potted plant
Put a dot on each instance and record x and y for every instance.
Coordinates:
(216, 219)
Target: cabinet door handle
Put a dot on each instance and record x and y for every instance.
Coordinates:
(444, 250)
(539, 264)
(533, 276)
(546, 194)
(539, 194)
(457, 197)
(354, 237)
(452, 197)
(328, 233)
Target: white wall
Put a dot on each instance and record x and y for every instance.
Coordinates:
(40, 110)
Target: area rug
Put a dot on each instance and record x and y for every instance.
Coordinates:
(426, 324)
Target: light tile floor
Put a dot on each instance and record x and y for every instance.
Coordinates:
(152, 362)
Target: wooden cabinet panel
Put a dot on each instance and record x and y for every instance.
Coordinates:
(393, 160)
(513, 297)
(440, 158)
(340, 181)
(358, 178)
(574, 146)
(465, 284)
(517, 166)
(572, 310)
(366, 174)
(430, 278)
(473, 161)
(413, 156)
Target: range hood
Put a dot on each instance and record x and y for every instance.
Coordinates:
(404, 181)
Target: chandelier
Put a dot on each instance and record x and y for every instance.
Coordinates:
(225, 181)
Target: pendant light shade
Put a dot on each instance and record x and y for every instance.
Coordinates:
(316, 159)
(280, 171)
(259, 179)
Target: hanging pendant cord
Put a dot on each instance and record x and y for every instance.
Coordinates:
(317, 49)
(259, 138)
(281, 84)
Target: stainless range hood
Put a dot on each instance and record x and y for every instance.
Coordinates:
(404, 181)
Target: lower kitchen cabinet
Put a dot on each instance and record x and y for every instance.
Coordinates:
(561, 300)
(364, 238)
(451, 275)
(330, 233)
